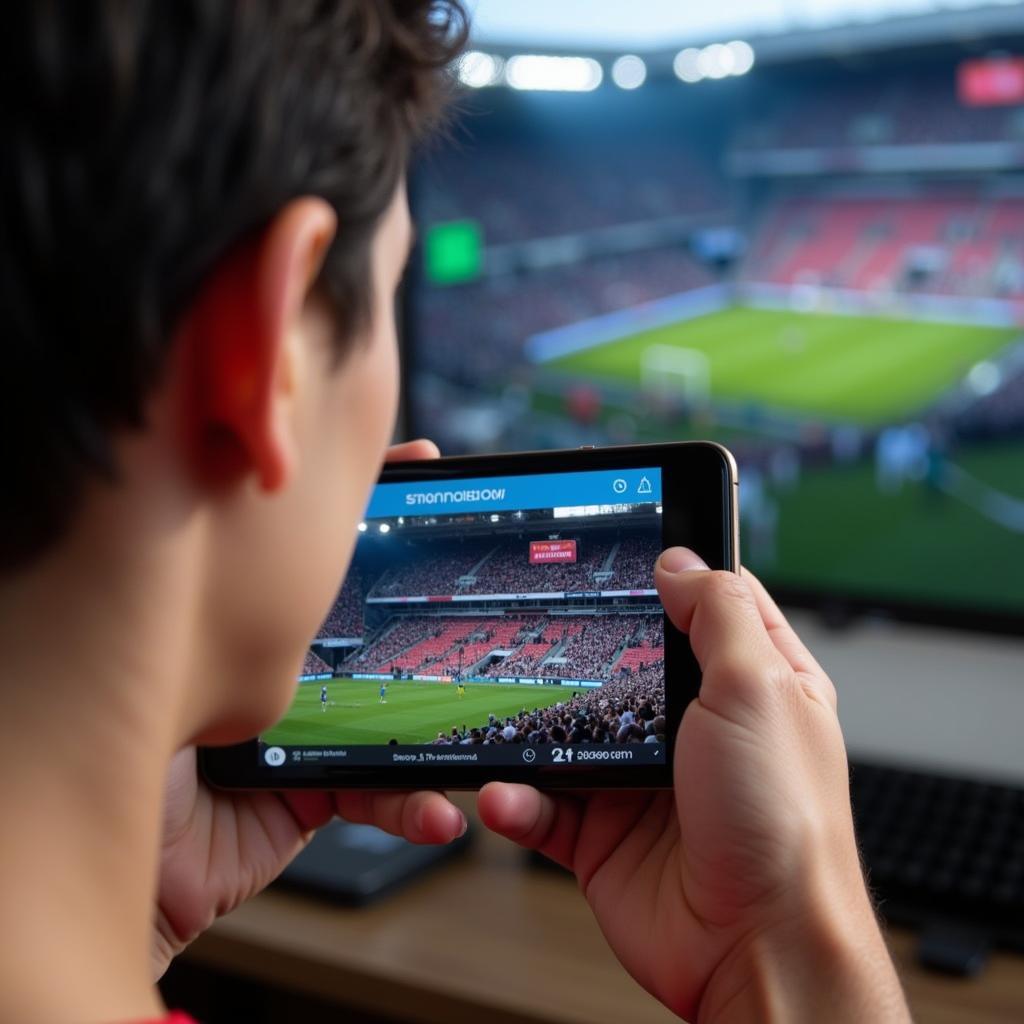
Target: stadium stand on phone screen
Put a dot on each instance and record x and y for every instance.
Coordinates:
(514, 611)
(818, 262)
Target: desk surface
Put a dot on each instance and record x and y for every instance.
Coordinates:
(488, 933)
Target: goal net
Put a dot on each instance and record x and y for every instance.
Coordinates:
(674, 375)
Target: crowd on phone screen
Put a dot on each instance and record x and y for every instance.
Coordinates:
(345, 619)
(483, 567)
(563, 646)
(628, 710)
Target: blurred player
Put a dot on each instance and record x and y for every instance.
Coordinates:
(383, 693)
(323, 698)
(460, 689)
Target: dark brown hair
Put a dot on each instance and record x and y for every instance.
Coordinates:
(141, 142)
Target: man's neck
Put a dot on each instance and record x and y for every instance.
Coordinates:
(91, 717)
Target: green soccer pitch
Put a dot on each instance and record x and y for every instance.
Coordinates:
(415, 712)
(917, 545)
(861, 369)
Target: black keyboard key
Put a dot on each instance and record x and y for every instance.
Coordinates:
(938, 848)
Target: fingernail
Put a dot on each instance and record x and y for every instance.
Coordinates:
(680, 560)
(464, 824)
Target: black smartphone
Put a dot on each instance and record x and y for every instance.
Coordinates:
(499, 621)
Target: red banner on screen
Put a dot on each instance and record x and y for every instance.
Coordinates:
(542, 551)
(991, 81)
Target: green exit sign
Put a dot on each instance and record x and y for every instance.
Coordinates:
(453, 252)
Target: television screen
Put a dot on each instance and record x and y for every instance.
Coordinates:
(818, 263)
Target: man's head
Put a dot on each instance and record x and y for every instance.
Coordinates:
(145, 144)
(202, 227)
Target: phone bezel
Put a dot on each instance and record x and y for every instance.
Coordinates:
(708, 525)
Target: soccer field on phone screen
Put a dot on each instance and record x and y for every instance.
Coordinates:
(415, 712)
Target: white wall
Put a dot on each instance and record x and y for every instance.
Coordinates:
(924, 697)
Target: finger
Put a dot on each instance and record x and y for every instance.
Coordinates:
(421, 817)
(310, 808)
(535, 820)
(789, 645)
(728, 636)
(410, 451)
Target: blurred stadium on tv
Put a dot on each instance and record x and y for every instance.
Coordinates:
(808, 245)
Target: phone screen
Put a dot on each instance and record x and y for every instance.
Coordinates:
(491, 620)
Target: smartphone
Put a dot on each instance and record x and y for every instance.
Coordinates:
(499, 622)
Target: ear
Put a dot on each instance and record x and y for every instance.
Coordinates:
(240, 355)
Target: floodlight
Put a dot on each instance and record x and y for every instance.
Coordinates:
(553, 74)
(629, 72)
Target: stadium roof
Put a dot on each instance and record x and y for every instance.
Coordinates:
(787, 26)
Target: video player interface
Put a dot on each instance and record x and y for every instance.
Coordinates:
(491, 621)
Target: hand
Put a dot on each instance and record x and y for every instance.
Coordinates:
(739, 895)
(220, 848)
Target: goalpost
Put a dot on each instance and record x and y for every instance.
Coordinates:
(673, 375)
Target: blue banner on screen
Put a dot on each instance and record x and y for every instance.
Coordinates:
(508, 493)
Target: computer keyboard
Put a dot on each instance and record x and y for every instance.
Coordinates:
(941, 850)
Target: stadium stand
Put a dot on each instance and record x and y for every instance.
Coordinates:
(433, 648)
(434, 574)
(562, 627)
(522, 662)
(584, 186)
(946, 244)
(536, 645)
(504, 568)
(421, 643)
(648, 651)
(580, 646)
(314, 665)
(508, 570)
(467, 653)
(397, 635)
(633, 566)
(588, 654)
(507, 310)
(918, 107)
(345, 618)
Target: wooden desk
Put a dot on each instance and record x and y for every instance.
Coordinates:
(489, 935)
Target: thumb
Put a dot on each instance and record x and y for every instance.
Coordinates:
(411, 451)
(727, 633)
